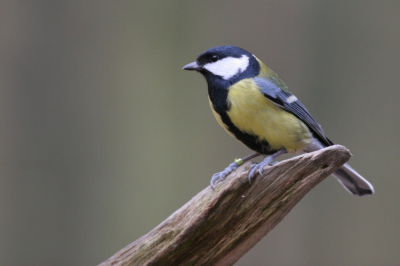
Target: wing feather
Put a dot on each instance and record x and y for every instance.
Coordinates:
(291, 104)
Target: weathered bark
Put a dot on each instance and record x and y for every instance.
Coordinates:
(218, 227)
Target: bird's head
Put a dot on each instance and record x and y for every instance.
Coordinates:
(228, 64)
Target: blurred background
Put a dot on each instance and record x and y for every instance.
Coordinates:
(103, 136)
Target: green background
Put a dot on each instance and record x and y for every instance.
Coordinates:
(103, 136)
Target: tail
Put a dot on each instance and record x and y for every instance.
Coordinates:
(347, 176)
(353, 181)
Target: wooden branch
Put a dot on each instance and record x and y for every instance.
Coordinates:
(218, 227)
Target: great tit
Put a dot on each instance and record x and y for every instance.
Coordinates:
(254, 106)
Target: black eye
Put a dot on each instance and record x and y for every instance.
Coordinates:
(214, 58)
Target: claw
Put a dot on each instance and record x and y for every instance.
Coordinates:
(221, 175)
(215, 177)
(258, 167)
(252, 170)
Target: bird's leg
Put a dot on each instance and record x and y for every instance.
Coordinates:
(233, 166)
(267, 161)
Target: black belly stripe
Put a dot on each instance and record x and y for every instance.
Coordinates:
(218, 94)
(251, 141)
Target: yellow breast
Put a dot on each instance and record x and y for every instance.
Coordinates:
(250, 111)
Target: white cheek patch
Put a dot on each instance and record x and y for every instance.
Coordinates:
(228, 67)
(291, 99)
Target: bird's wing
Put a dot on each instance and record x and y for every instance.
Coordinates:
(291, 104)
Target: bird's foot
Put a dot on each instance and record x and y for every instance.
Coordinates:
(267, 161)
(221, 175)
(259, 167)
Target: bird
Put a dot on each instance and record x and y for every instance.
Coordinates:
(255, 106)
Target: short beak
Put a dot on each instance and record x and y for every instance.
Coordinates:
(192, 66)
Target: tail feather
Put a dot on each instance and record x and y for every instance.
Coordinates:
(353, 181)
(347, 176)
